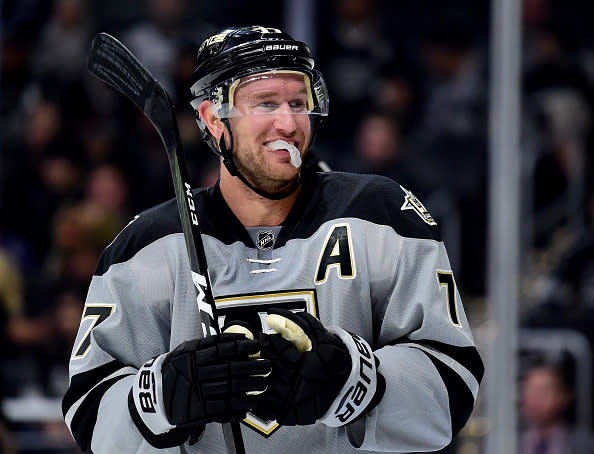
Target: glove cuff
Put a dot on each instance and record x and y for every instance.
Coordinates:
(147, 396)
(361, 385)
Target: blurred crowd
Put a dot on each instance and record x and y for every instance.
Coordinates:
(546, 401)
(409, 88)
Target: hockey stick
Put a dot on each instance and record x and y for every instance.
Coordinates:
(110, 61)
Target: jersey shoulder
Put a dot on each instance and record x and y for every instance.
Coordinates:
(379, 200)
(144, 229)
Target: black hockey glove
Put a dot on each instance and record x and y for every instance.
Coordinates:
(316, 374)
(211, 379)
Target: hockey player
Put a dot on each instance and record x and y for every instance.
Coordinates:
(352, 332)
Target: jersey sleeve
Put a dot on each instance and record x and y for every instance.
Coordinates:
(423, 342)
(126, 321)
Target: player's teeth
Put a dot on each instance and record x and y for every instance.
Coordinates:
(292, 149)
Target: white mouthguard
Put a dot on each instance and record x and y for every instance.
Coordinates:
(292, 149)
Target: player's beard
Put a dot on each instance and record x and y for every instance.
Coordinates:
(260, 173)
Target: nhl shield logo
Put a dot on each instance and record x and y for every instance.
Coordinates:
(265, 239)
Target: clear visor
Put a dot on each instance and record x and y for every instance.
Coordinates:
(272, 93)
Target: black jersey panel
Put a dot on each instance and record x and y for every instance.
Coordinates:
(85, 418)
(215, 217)
(370, 198)
(322, 198)
(460, 398)
(466, 356)
(80, 384)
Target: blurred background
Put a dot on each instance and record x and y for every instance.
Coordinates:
(410, 88)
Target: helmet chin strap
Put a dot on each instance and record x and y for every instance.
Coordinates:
(227, 154)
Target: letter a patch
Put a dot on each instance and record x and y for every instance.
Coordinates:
(337, 253)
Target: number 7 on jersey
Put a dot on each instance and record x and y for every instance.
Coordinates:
(446, 279)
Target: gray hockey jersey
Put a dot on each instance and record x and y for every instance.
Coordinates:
(357, 251)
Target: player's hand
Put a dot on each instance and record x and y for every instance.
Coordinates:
(211, 379)
(316, 374)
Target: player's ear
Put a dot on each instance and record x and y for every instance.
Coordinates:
(213, 123)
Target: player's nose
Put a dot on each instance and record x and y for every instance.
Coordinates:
(285, 119)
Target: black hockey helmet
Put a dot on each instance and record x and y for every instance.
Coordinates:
(239, 52)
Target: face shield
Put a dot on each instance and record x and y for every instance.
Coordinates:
(307, 98)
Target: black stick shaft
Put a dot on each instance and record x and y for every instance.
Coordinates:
(114, 64)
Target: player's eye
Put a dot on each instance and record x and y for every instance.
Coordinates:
(298, 106)
(266, 106)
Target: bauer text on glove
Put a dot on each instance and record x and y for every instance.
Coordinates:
(316, 374)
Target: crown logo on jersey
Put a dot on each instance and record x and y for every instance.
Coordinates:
(252, 309)
(412, 203)
(265, 239)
